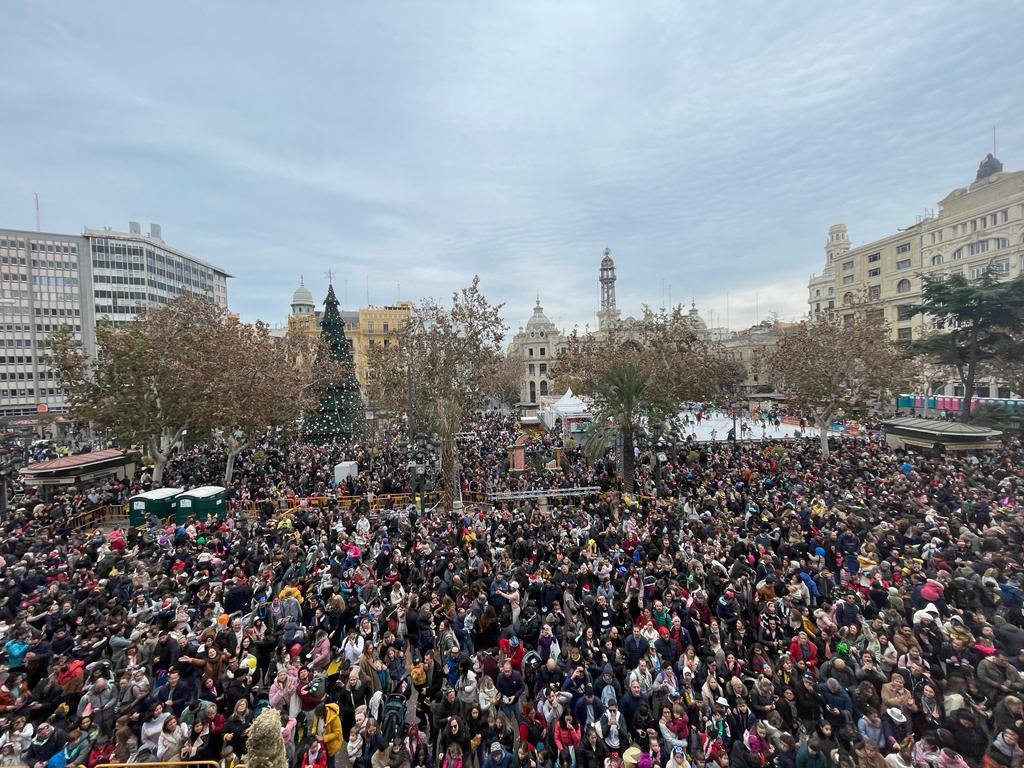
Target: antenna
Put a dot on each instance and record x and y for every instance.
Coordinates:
(329, 274)
(38, 228)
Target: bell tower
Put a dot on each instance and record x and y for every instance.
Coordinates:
(608, 312)
(838, 243)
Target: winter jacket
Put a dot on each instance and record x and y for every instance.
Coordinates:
(332, 729)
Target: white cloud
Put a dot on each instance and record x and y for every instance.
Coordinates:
(709, 146)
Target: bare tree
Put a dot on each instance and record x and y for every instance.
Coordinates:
(153, 379)
(437, 368)
(838, 364)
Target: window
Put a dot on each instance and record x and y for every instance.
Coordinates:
(904, 334)
(530, 352)
(831, 291)
(847, 279)
(876, 315)
(1000, 242)
(904, 311)
(1003, 392)
(847, 266)
(543, 367)
(831, 304)
(530, 368)
(874, 257)
(542, 351)
(369, 326)
(936, 259)
(978, 272)
(903, 248)
(979, 247)
(982, 390)
(874, 272)
(875, 292)
(533, 392)
(903, 286)
(817, 292)
(903, 264)
(543, 387)
(385, 327)
(1005, 215)
(848, 299)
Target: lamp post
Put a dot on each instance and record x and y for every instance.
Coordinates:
(658, 454)
(422, 453)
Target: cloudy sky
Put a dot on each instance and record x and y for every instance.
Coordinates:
(413, 144)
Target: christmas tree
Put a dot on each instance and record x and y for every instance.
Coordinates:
(339, 414)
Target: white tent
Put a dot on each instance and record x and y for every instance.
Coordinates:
(567, 408)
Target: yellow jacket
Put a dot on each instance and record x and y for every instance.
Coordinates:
(332, 729)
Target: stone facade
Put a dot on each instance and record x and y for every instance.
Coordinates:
(538, 346)
(979, 227)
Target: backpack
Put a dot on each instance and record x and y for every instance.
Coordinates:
(419, 674)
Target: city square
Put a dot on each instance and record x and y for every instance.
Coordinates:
(391, 448)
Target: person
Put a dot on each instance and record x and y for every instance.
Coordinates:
(171, 739)
(752, 593)
(314, 756)
(497, 757)
(810, 755)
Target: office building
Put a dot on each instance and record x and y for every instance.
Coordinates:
(49, 280)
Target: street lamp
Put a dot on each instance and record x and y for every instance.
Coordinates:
(422, 454)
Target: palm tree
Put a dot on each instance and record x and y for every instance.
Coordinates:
(625, 395)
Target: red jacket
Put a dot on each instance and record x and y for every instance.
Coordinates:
(796, 652)
(514, 655)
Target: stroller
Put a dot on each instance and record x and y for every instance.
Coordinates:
(392, 718)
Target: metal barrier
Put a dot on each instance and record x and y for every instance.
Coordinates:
(586, 490)
(100, 517)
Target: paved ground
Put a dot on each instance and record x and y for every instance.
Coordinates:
(721, 425)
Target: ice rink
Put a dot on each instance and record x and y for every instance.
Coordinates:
(717, 427)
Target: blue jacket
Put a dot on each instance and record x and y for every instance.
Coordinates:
(505, 761)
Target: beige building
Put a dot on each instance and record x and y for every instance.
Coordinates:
(977, 228)
(750, 347)
(364, 328)
(538, 346)
(375, 326)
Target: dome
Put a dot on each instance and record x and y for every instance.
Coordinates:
(302, 296)
(538, 319)
(696, 320)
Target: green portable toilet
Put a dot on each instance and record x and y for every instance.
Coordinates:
(160, 503)
(202, 502)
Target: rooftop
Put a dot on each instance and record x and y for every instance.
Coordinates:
(145, 238)
(81, 460)
(935, 426)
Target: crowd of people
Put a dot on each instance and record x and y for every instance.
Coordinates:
(750, 605)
